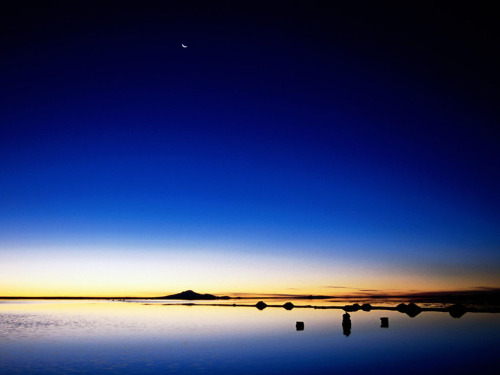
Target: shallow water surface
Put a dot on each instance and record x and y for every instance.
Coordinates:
(97, 337)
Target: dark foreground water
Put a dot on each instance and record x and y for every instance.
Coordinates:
(132, 338)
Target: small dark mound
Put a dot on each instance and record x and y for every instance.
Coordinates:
(366, 307)
(457, 311)
(261, 305)
(351, 308)
(288, 306)
(412, 310)
(401, 307)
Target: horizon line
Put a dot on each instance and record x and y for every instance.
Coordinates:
(236, 295)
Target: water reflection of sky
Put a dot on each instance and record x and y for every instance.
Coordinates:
(134, 338)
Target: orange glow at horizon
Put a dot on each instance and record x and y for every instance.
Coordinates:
(135, 274)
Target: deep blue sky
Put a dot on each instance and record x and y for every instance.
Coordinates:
(346, 132)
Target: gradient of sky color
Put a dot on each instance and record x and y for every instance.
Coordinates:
(292, 147)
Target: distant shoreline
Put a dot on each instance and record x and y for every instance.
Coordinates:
(487, 298)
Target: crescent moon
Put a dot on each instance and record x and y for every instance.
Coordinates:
(183, 46)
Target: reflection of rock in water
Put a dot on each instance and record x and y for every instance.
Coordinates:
(384, 322)
(288, 306)
(457, 311)
(299, 326)
(261, 305)
(346, 324)
(411, 309)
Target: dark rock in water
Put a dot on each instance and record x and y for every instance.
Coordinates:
(366, 307)
(346, 324)
(288, 306)
(401, 307)
(384, 322)
(411, 309)
(299, 326)
(261, 305)
(457, 311)
(351, 308)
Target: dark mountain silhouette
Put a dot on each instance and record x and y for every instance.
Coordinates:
(190, 295)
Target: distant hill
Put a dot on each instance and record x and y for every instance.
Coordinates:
(190, 295)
